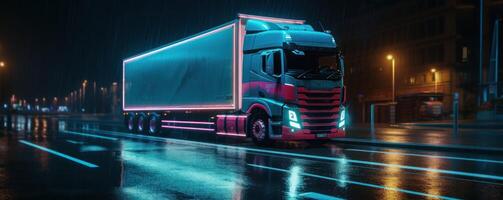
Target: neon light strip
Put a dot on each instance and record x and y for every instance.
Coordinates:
(238, 116)
(356, 183)
(187, 122)
(429, 156)
(188, 128)
(89, 135)
(232, 106)
(87, 164)
(202, 107)
(307, 156)
(123, 86)
(231, 134)
(241, 37)
(318, 196)
(271, 19)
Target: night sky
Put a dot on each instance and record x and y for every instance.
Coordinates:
(51, 46)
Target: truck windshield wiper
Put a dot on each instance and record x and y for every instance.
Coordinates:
(304, 73)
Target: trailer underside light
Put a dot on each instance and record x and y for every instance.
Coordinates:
(231, 134)
(186, 122)
(187, 128)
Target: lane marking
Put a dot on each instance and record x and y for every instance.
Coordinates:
(355, 182)
(74, 142)
(87, 164)
(298, 155)
(426, 155)
(318, 196)
(89, 135)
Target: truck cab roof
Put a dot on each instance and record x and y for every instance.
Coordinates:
(264, 34)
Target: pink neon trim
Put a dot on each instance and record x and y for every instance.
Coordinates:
(238, 116)
(187, 122)
(123, 85)
(272, 19)
(205, 107)
(188, 128)
(231, 134)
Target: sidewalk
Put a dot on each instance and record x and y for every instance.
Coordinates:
(473, 140)
(463, 124)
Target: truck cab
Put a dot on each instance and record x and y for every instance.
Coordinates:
(292, 82)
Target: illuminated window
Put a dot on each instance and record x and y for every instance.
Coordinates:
(412, 80)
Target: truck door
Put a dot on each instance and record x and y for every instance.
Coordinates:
(273, 61)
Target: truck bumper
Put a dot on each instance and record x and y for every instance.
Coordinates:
(303, 134)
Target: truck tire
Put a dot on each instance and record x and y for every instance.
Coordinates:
(258, 127)
(154, 124)
(142, 123)
(131, 122)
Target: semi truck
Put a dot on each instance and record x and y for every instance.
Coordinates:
(259, 77)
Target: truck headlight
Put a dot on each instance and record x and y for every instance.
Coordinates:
(342, 120)
(293, 119)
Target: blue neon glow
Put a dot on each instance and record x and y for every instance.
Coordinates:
(342, 123)
(356, 183)
(443, 171)
(292, 115)
(293, 119)
(429, 156)
(318, 196)
(87, 164)
(89, 135)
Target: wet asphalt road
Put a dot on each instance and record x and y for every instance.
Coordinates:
(69, 158)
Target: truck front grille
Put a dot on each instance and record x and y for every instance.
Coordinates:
(319, 109)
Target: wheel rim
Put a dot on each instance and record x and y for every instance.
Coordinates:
(259, 129)
(130, 123)
(153, 125)
(140, 124)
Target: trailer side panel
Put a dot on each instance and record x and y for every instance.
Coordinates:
(195, 73)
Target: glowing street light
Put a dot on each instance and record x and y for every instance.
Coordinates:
(2, 64)
(392, 59)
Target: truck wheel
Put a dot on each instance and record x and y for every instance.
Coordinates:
(131, 123)
(258, 129)
(154, 124)
(142, 123)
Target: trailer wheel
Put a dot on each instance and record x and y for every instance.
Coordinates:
(142, 123)
(154, 124)
(131, 122)
(258, 128)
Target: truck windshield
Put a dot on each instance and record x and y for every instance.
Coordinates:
(315, 63)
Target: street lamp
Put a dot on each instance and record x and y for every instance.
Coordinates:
(434, 75)
(84, 84)
(392, 59)
(2, 64)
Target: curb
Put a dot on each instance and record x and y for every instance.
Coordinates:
(458, 148)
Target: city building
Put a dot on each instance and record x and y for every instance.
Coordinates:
(434, 44)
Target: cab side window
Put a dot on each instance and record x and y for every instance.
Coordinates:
(271, 63)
